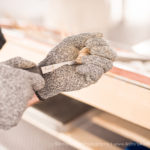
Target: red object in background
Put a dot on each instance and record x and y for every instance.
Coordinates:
(130, 75)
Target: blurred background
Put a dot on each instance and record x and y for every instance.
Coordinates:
(121, 18)
(125, 23)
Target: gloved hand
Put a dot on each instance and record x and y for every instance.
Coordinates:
(75, 77)
(17, 87)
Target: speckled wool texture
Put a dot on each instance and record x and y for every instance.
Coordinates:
(17, 87)
(76, 77)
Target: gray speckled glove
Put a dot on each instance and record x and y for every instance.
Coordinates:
(75, 77)
(17, 87)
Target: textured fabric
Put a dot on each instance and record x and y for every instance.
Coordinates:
(76, 77)
(2, 39)
(17, 88)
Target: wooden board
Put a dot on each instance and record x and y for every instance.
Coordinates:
(130, 77)
(77, 137)
(123, 128)
(63, 111)
(117, 97)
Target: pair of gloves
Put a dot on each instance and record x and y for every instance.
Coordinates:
(18, 85)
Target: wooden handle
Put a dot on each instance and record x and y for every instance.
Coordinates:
(83, 52)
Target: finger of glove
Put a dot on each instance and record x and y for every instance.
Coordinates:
(91, 71)
(68, 49)
(102, 62)
(100, 47)
(19, 62)
(104, 51)
(36, 80)
(80, 39)
(60, 54)
(95, 42)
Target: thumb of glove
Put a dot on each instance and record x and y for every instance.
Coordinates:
(19, 62)
(36, 80)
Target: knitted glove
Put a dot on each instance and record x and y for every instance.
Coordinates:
(17, 88)
(75, 77)
(2, 39)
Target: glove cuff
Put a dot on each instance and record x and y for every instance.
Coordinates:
(39, 97)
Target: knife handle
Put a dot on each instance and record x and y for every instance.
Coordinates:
(83, 52)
